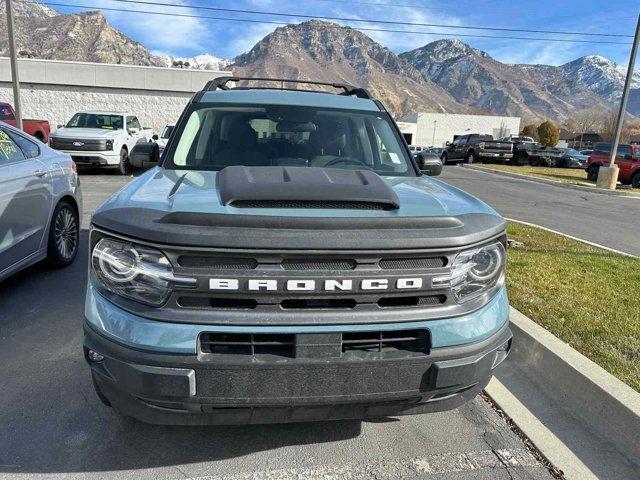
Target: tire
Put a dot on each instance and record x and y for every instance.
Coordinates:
(39, 136)
(444, 158)
(471, 158)
(635, 180)
(592, 173)
(124, 166)
(64, 236)
(105, 401)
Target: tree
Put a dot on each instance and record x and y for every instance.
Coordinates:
(608, 127)
(530, 130)
(585, 121)
(548, 134)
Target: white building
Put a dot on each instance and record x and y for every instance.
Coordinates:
(54, 90)
(435, 129)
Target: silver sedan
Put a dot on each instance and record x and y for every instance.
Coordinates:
(40, 203)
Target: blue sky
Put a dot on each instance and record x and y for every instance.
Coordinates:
(191, 36)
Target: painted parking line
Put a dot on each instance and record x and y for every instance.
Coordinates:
(502, 459)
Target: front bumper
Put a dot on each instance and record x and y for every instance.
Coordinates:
(194, 388)
(94, 159)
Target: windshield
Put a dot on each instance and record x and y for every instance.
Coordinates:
(215, 137)
(166, 133)
(96, 120)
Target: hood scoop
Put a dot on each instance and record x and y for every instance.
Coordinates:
(305, 187)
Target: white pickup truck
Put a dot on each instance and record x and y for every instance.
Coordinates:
(100, 139)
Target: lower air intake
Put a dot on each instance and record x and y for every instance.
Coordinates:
(282, 345)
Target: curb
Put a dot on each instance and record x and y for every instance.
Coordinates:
(520, 176)
(604, 404)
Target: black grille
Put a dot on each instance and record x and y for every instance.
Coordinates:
(386, 341)
(331, 204)
(218, 303)
(317, 303)
(282, 345)
(412, 263)
(318, 264)
(397, 302)
(87, 145)
(218, 263)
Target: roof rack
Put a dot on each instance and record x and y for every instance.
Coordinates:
(221, 83)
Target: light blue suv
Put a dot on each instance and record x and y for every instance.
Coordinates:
(287, 261)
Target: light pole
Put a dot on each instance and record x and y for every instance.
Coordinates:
(608, 176)
(14, 66)
(433, 138)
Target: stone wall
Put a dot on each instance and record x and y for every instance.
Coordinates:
(54, 91)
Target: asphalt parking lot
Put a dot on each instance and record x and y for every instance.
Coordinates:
(53, 426)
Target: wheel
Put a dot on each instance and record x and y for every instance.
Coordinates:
(635, 180)
(471, 158)
(592, 173)
(64, 236)
(124, 166)
(443, 157)
(105, 401)
(39, 136)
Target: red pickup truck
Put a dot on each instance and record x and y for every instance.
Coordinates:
(37, 128)
(627, 160)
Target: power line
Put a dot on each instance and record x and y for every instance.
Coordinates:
(386, 22)
(272, 22)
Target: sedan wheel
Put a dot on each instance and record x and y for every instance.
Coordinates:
(64, 236)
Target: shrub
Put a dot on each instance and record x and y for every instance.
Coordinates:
(548, 134)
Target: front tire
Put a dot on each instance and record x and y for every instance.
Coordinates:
(444, 159)
(592, 173)
(124, 166)
(64, 236)
(635, 181)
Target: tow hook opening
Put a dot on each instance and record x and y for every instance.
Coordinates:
(94, 356)
(501, 353)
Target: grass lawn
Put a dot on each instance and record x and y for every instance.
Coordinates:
(586, 296)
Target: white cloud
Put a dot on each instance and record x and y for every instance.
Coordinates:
(160, 32)
(535, 52)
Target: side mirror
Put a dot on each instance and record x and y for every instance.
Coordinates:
(628, 156)
(155, 136)
(144, 154)
(429, 165)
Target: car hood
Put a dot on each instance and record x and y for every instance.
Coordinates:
(65, 132)
(162, 197)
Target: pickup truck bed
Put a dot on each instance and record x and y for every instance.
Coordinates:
(39, 129)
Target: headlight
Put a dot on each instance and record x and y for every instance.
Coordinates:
(109, 144)
(474, 272)
(134, 271)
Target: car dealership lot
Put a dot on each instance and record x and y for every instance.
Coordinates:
(53, 425)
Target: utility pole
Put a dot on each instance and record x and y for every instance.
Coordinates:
(433, 138)
(14, 66)
(608, 177)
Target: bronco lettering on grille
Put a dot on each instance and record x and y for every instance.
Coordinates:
(310, 285)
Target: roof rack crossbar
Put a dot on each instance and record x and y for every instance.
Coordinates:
(221, 83)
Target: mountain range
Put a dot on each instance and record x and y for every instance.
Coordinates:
(442, 76)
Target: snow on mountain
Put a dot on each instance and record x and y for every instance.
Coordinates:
(205, 61)
(600, 75)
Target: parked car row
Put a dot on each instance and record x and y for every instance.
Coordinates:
(627, 160)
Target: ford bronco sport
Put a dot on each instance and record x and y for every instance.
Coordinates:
(286, 261)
